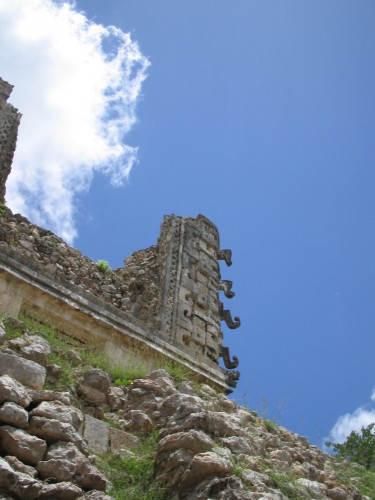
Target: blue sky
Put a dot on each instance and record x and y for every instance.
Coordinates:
(260, 115)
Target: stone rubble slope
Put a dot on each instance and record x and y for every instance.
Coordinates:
(209, 447)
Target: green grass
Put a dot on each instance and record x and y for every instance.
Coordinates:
(286, 484)
(181, 374)
(91, 357)
(239, 466)
(47, 332)
(360, 477)
(269, 425)
(11, 330)
(121, 376)
(66, 377)
(133, 478)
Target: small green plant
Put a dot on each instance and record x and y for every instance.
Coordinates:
(121, 376)
(181, 374)
(58, 356)
(13, 329)
(358, 447)
(286, 484)
(103, 266)
(239, 466)
(269, 425)
(133, 478)
(66, 376)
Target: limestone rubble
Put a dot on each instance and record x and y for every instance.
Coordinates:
(209, 447)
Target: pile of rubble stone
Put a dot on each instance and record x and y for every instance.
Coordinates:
(209, 447)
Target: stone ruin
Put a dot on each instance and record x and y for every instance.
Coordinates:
(163, 304)
(9, 121)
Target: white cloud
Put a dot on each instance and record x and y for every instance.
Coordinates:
(361, 417)
(78, 102)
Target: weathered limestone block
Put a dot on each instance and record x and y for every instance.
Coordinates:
(58, 411)
(85, 474)
(121, 441)
(96, 378)
(256, 479)
(194, 441)
(91, 394)
(60, 491)
(313, 488)
(15, 484)
(115, 398)
(282, 456)
(96, 432)
(337, 494)
(92, 480)
(49, 395)
(19, 466)
(63, 450)
(178, 461)
(202, 466)
(32, 347)
(188, 404)
(164, 380)
(56, 469)
(237, 445)
(25, 371)
(13, 391)
(29, 449)
(138, 422)
(15, 415)
(53, 430)
(53, 373)
(227, 488)
(217, 424)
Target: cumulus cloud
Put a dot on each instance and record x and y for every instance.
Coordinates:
(77, 84)
(361, 417)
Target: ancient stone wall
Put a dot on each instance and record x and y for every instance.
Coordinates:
(172, 287)
(9, 121)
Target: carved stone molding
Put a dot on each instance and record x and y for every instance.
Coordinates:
(226, 316)
(225, 354)
(225, 255)
(226, 287)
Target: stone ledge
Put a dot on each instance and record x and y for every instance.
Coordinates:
(88, 319)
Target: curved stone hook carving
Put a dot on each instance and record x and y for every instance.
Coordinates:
(231, 379)
(227, 317)
(226, 287)
(225, 255)
(224, 353)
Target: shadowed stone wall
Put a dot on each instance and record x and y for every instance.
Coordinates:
(9, 121)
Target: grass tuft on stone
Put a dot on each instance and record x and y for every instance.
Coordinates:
(133, 478)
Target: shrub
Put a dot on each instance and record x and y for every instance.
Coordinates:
(358, 447)
(103, 266)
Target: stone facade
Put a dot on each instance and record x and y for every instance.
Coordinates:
(9, 122)
(172, 288)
